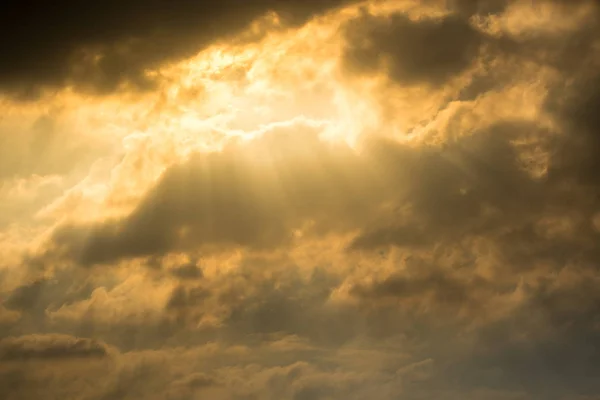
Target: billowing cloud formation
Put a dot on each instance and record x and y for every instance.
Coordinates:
(422, 51)
(102, 46)
(259, 195)
(243, 196)
(429, 229)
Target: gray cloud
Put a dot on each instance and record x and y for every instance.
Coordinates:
(58, 43)
(480, 7)
(465, 188)
(427, 51)
(474, 186)
(445, 289)
(197, 380)
(577, 152)
(67, 286)
(232, 199)
(229, 199)
(50, 347)
(187, 271)
(470, 277)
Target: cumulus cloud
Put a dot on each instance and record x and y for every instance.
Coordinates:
(100, 47)
(258, 195)
(423, 51)
(447, 253)
(251, 195)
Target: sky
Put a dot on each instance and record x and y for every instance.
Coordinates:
(300, 200)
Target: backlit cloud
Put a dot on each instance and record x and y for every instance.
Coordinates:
(301, 200)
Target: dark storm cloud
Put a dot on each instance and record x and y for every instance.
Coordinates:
(425, 51)
(100, 45)
(50, 347)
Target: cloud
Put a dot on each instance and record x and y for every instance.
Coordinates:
(443, 287)
(187, 271)
(577, 153)
(41, 145)
(463, 188)
(229, 199)
(453, 257)
(44, 347)
(197, 380)
(252, 195)
(424, 51)
(480, 7)
(38, 295)
(101, 47)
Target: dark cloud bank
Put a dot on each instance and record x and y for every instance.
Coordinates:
(52, 44)
(495, 298)
(49, 347)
